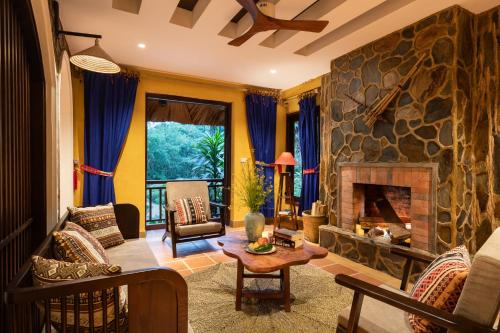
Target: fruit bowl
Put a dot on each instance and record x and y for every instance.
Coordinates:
(252, 251)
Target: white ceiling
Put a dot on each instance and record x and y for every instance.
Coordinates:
(201, 51)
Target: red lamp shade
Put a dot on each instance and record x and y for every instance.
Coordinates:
(285, 158)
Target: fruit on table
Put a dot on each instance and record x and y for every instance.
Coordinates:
(260, 247)
(262, 241)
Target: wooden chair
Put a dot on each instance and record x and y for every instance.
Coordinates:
(386, 310)
(188, 233)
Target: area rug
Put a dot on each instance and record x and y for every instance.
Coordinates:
(317, 300)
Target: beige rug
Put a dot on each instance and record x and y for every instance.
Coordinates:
(317, 301)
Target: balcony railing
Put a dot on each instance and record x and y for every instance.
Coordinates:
(155, 198)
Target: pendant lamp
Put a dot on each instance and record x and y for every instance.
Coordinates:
(95, 59)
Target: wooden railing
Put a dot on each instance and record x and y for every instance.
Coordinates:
(155, 198)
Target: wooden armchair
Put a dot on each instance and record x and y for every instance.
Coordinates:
(188, 233)
(386, 310)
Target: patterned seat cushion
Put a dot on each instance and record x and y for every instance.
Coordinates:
(49, 271)
(100, 221)
(190, 211)
(440, 286)
(75, 244)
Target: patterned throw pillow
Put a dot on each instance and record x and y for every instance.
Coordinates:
(100, 221)
(75, 244)
(48, 271)
(440, 286)
(190, 211)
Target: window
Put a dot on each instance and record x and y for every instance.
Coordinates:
(293, 145)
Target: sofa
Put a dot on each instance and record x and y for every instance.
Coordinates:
(157, 297)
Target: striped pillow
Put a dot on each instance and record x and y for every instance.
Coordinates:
(49, 271)
(190, 211)
(440, 286)
(100, 221)
(75, 244)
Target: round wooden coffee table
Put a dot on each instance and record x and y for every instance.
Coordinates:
(233, 246)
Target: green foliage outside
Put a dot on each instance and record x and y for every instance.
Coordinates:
(252, 189)
(182, 151)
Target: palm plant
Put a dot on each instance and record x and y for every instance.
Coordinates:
(210, 159)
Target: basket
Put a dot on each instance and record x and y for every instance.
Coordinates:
(311, 225)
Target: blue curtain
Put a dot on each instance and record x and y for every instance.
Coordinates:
(261, 118)
(309, 147)
(109, 102)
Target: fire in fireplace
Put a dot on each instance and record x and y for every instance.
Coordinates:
(383, 211)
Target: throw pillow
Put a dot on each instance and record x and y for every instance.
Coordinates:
(440, 286)
(190, 211)
(75, 244)
(100, 221)
(49, 271)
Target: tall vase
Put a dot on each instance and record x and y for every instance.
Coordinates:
(254, 225)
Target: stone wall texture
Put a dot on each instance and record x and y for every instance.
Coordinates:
(447, 114)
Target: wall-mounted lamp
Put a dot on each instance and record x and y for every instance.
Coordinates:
(94, 58)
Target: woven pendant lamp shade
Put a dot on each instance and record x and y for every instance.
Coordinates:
(95, 59)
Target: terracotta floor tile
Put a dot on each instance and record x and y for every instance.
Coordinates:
(185, 272)
(195, 262)
(221, 258)
(338, 269)
(368, 279)
(321, 262)
(178, 265)
(200, 269)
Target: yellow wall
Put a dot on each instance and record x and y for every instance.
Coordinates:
(130, 174)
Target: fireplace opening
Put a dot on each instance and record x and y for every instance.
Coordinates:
(383, 212)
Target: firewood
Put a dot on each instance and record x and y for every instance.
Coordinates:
(398, 233)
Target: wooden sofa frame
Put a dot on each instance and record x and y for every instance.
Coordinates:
(442, 318)
(157, 297)
(176, 239)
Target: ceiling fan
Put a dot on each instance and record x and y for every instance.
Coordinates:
(262, 13)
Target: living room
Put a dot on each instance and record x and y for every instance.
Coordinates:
(241, 165)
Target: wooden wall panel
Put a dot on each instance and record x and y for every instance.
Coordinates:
(22, 160)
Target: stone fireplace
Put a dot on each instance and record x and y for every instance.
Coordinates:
(390, 194)
(438, 137)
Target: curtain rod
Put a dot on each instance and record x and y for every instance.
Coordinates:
(302, 94)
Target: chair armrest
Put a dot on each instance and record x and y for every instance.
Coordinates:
(127, 218)
(426, 258)
(437, 316)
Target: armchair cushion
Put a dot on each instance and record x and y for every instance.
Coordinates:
(100, 221)
(480, 297)
(198, 229)
(188, 189)
(378, 317)
(190, 211)
(440, 285)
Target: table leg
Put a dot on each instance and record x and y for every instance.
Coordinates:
(286, 291)
(239, 285)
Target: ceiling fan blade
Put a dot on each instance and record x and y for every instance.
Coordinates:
(250, 6)
(131, 6)
(243, 38)
(301, 25)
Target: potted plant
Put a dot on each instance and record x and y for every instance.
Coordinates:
(253, 192)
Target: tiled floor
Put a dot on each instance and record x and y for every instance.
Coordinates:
(197, 256)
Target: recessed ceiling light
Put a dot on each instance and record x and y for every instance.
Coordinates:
(273, 71)
(141, 45)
